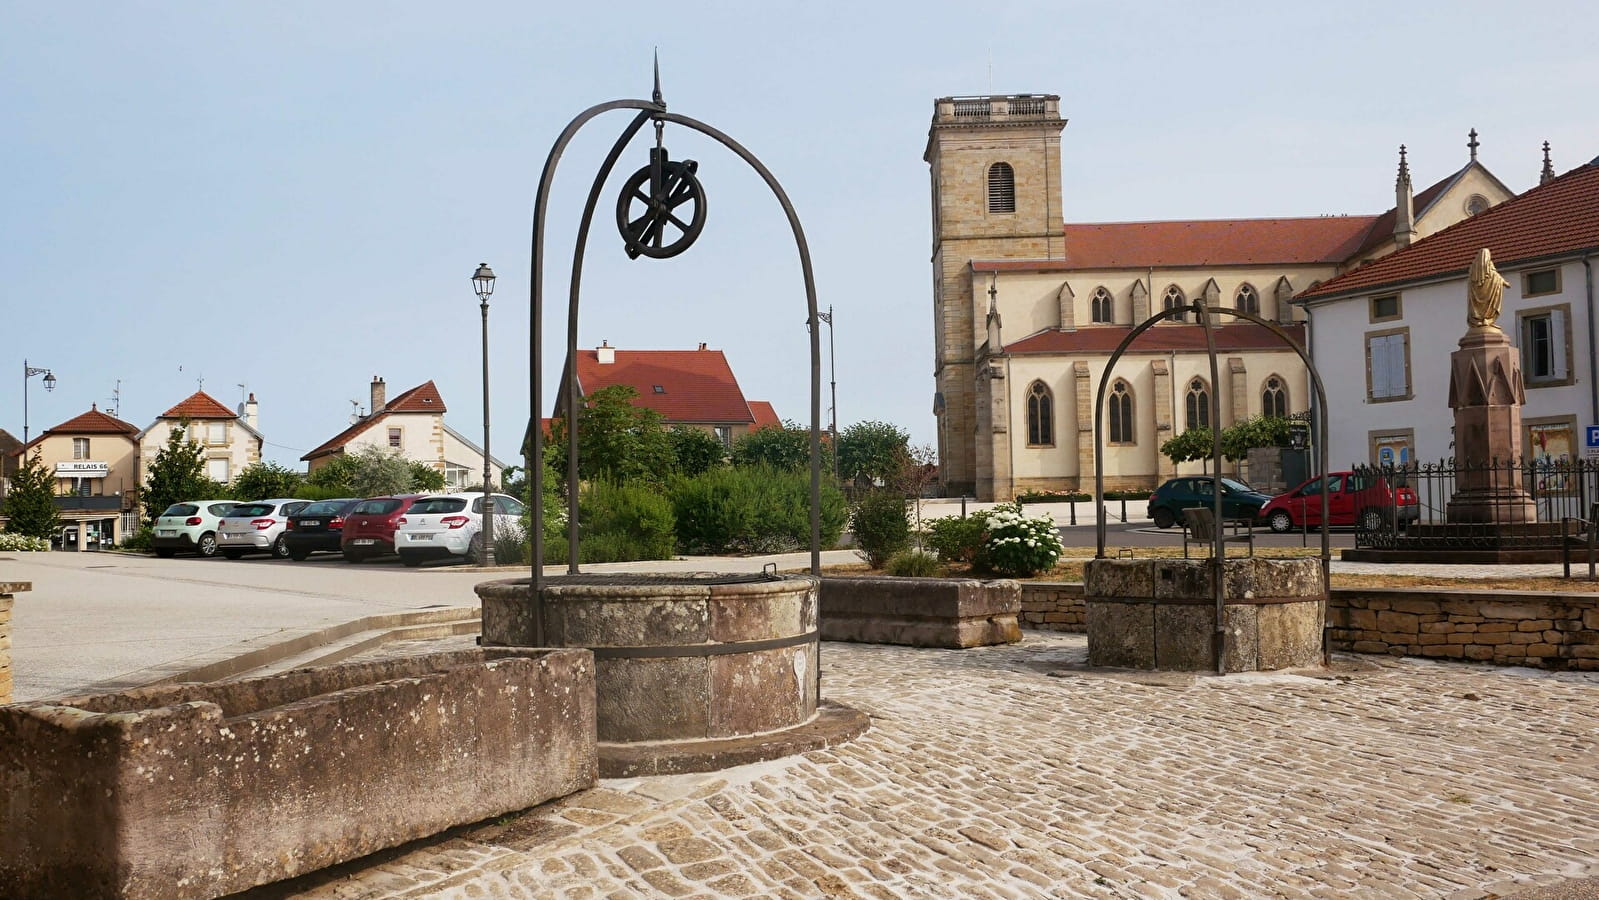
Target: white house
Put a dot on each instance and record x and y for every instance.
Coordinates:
(411, 424)
(230, 440)
(1381, 335)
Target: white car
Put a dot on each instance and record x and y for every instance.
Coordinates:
(189, 527)
(257, 527)
(443, 525)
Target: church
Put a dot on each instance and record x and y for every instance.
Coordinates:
(1028, 308)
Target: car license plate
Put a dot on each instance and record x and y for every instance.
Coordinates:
(307, 523)
(363, 542)
(421, 537)
(167, 532)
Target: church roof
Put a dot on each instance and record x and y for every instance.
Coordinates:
(1162, 338)
(199, 405)
(1558, 217)
(681, 385)
(1323, 240)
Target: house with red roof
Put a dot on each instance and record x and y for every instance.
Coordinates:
(411, 425)
(1028, 308)
(691, 388)
(230, 439)
(1382, 334)
(95, 459)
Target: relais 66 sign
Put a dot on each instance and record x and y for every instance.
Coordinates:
(82, 468)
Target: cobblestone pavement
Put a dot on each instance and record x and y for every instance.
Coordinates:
(1017, 772)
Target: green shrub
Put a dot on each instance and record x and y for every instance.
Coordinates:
(623, 522)
(881, 526)
(1053, 497)
(13, 542)
(913, 564)
(1016, 545)
(751, 509)
(511, 544)
(139, 540)
(956, 539)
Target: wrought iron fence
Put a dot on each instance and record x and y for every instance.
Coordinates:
(1409, 506)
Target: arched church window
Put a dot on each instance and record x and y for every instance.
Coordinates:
(1103, 306)
(1174, 299)
(1198, 404)
(1121, 413)
(1247, 300)
(1001, 188)
(1040, 416)
(1477, 205)
(1274, 398)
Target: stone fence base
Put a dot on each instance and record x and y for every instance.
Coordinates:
(953, 613)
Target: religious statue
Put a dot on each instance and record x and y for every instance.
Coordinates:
(1485, 292)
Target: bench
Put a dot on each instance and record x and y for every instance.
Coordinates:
(1199, 527)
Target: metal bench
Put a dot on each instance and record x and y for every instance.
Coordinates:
(1199, 528)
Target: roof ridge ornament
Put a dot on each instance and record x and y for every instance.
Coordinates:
(1472, 144)
(1548, 173)
(1404, 169)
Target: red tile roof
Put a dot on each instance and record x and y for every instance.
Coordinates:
(92, 422)
(765, 415)
(422, 398)
(694, 385)
(199, 405)
(1119, 245)
(1229, 338)
(1559, 217)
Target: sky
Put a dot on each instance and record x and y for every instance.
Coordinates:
(290, 198)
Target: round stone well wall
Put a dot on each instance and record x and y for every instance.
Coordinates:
(1161, 613)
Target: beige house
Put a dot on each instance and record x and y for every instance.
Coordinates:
(1029, 308)
(228, 439)
(412, 424)
(95, 460)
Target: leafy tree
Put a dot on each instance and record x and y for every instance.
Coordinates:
(30, 508)
(513, 480)
(176, 474)
(1256, 431)
(696, 450)
(786, 449)
(265, 479)
(426, 478)
(873, 452)
(1195, 443)
(371, 472)
(881, 526)
(616, 439)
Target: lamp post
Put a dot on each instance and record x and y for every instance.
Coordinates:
(49, 385)
(832, 383)
(483, 284)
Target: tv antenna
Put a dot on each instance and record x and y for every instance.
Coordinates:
(116, 398)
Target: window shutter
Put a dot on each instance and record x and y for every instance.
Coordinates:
(1399, 380)
(1378, 347)
(1557, 343)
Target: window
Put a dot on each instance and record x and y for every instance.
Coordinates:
(724, 433)
(660, 388)
(80, 448)
(1040, 416)
(1477, 205)
(505, 506)
(1103, 306)
(216, 433)
(1121, 413)
(1174, 299)
(1247, 300)
(1546, 281)
(217, 470)
(396, 437)
(1545, 350)
(1198, 404)
(456, 476)
(1388, 365)
(1385, 308)
(1274, 398)
(438, 506)
(1001, 188)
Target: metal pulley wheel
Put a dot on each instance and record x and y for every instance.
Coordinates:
(662, 208)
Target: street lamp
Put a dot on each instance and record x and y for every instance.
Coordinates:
(832, 383)
(483, 284)
(49, 385)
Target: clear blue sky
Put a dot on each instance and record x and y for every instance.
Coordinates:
(292, 196)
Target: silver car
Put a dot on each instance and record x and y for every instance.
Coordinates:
(257, 527)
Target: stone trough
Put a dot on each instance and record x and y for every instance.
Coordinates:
(692, 672)
(953, 613)
(198, 790)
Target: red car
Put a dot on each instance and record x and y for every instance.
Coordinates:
(369, 526)
(1352, 497)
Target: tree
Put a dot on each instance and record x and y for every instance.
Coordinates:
(30, 506)
(265, 479)
(373, 472)
(786, 449)
(1195, 443)
(873, 452)
(176, 474)
(426, 478)
(1256, 431)
(696, 450)
(616, 439)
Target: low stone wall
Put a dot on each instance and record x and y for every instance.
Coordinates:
(1516, 628)
(1053, 606)
(8, 592)
(952, 613)
(199, 790)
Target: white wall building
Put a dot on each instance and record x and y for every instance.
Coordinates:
(412, 424)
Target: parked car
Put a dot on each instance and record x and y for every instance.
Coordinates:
(443, 525)
(189, 527)
(1362, 498)
(319, 526)
(258, 527)
(369, 526)
(1239, 501)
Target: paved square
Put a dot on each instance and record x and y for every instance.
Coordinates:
(1014, 772)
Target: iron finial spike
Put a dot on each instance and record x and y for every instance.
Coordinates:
(1472, 144)
(656, 96)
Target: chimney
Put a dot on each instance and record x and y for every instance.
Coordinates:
(702, 345)
(380, 394)
(606, 353)
(251, 417)
(1404, 203)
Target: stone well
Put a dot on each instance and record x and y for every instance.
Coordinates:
(693, 672)
(1161, 614)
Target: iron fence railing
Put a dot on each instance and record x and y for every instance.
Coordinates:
(1557, 492)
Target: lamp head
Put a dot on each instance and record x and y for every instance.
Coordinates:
(483, 282)
(49, 381)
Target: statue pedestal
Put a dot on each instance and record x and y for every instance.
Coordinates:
(1486, 393)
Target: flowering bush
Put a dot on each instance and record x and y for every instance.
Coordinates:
(12, 542)
(1016, 545)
